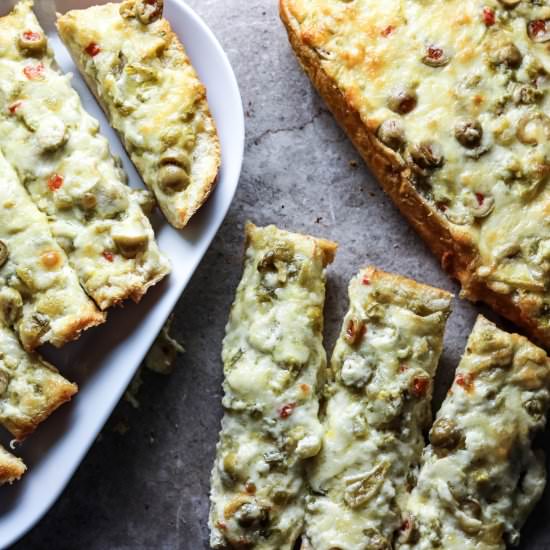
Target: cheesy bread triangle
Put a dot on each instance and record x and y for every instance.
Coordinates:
(30, 388)
(448, 101)
(142, 77)
(274, 365)
(480, 477)
(11, 467)
(40, 295)
(378, 404)
(68, 170)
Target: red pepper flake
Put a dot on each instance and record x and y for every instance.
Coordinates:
(34, 72)
(14, 106)
(355, 331)
(480, 198)
(108, 256)
(286, 410)
(365, 280)
(489, 17)
(387, 31)
(32, 36)
(221, 525)
(465, 381)
(92, 49)
(55, 181)
(435, 53)
(420, 386)
(537, 28)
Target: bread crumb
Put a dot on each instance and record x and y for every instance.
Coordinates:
(162, 355)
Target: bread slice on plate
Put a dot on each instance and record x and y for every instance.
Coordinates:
(68, 170)
(378, 404)
(40, 295)
(142, 77)
(274, 365)
(448, 102)
(30, 388)
(11, 467)
(480, 477)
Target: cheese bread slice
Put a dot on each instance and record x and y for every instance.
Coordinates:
(378, 404)
(480, 477)
(39, 291)
(448, 101)
(68, 170)
(141, 75)
(30, 388)
(11, 467)
(274, 363)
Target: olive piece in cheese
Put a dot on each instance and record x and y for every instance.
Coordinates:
(533, 128)
(173, 178)
(31, 42)
(130, 241)
(148, 11)
(505, 54)
(509, 3)
(4, 253)
(484, 205)
(251, 514)
(526, 94)
(177, 157)
(11, 305)
(427, 155)
(539, 30)
(392, 134)
(4, 380)
(445, 435)
(468, 133)
(435, 57)
(402, 100)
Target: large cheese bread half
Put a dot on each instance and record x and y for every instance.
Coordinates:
(274, 365)
(67, 168)
(139, 71)
(448, 101)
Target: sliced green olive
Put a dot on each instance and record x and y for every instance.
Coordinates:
(177, 157)
(526, 95)
(427, 154)
(4, 253)
(403, 100)
(130, 244)
(445, 434)
(484, 206)
(506, 53)
(173, 178)
(539, 30)
(4, 380)
(33, 42)
(509, 3)
(88, 201)
(148, 11)
(392, 134)
(533, 128)
(468, 132)
(11, 305)
(435, 57)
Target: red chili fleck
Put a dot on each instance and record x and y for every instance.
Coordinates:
(108, 256)
(221, 525)
(32, 35)
(489, 16)
(92, 49)
(435, 53)
(387, 31)
(365, 280)
(537, 27)
(420, 386)
(55, 181)
(480, 198)
(14, 106)
(33, 72)
(286, 410)
(465, 381)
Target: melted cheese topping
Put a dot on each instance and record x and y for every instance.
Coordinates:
(480, 477)
(378, 406)
(39, 291)
(139, 71)
(67, 168)
(273, 364)
(460, 90)
(30, 388)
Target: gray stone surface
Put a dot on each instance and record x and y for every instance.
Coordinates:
(147, 488)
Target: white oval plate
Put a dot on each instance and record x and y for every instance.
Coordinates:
(104, 361)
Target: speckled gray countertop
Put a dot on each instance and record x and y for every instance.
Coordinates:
(145, 482)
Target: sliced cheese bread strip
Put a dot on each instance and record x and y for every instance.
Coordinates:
(11, 467)
(480, 476)
(30, 388)
(378, 405)
(274, 362)
(141, 75)
(68, 170)
(448, 101)
(39, 291)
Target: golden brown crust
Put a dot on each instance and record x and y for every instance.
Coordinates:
(11, 467)
(453, 247)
